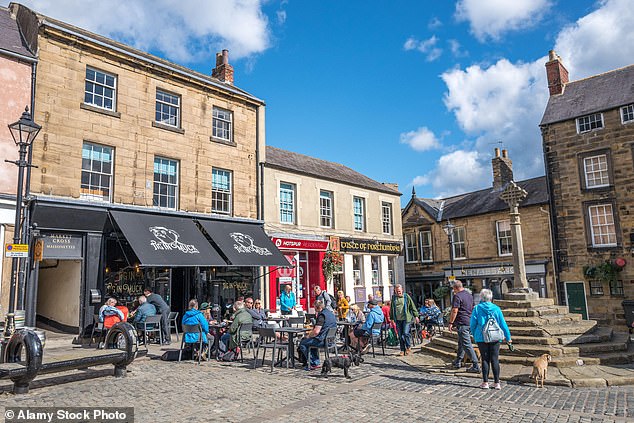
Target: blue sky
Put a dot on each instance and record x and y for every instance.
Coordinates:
(413, 92)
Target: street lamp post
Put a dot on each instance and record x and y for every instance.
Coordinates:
(449, 228)
(23, 132)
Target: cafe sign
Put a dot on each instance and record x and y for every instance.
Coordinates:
(62, 246)
(350, 245)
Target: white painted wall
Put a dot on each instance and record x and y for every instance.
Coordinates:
(59, 292)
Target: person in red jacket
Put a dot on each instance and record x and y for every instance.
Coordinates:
(109, 314)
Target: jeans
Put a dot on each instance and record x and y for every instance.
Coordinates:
(223, 344)
(464, 345)
(404, 335)
(490, 353)
(305, 347)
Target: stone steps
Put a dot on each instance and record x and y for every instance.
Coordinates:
(549, 319)
(599, 334)
(538, 311)
(619, 342)
(526, 304)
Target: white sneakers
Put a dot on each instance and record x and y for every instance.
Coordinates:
(485, 385)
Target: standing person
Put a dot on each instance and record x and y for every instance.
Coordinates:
(386, 313)
(324, 297)
(460, 319)
(316, 337)
(489, 351)
(161, 307)
(403, 312)
(342, 306)
(287, 301)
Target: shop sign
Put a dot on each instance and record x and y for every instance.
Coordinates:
(62, 246)
(300, 244)
(350, 245)
(16, 250)
(335, 243)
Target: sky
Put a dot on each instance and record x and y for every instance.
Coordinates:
(417, 93)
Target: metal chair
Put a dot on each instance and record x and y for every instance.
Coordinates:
(330, 343)
(268, 340)
(97, 326)
(295, 321)
(246, 327)
(172, 319)
(416, 333)
(152, 324)
(377, 338)
(192, 329)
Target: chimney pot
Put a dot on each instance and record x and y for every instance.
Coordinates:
(502, 169)
(223, 70)
(504, 154)
(497, 152)
(225, 57)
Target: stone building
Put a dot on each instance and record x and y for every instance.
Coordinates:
(588, 138)
(311, 204)
(148, 174)
(17, 62)
(481, 247)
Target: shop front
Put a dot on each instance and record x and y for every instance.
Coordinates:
(369, 267)
(305, 256)
(116, 251)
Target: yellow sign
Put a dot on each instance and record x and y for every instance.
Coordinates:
(38, 250)
(16, 250)
(452, 278)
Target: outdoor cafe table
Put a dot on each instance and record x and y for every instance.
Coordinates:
(346, 332)
(217, 327)
(291, 337)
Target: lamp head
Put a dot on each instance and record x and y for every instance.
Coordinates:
(24, 130)
(448, 228)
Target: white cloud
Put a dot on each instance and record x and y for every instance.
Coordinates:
(421, 139)
(184, 31)
(600, 41)
(492, 18)
(434, 23)
(457, 172)
(456, 48)
(428, 47)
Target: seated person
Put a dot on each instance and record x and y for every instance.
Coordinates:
(229, 341)
(360, 336)
(257, 314)
(142, 312)
(432, 314)
(193, 316)
(109, 314)
(325, 320)
(205, 309)
(355, 315)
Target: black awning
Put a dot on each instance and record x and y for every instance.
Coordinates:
(69, 217)
(244, 244)
(166, 240)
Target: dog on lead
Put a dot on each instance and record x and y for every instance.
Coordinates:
(540, 368)
(341, 362)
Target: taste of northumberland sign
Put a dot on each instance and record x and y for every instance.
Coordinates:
(351, 245)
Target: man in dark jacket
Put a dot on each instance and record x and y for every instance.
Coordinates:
(240, 317)
(325, 298)
(325, 320)
(161, 307)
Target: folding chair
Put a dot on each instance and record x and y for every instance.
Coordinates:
(268, 340)
(172, 322)
(152, 324)
(192, 329)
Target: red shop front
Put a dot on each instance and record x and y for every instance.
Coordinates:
(306, 256)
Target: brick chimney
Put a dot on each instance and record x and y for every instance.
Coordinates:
(223, 70)
(556, 73)
(502, 169)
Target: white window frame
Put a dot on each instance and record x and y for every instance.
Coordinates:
(166, 103)
(326, 208)
(499, 238)
(376, 273)
(357, 274)
(97, 86)
(222, 123)
(287, 208)
(591, 120)
(386, 217)
(428, 245)
(156, 194)
(602, 226)
(462, 242)
(90, 195)
(358, 215)
(408, 238)
(604, 173)
(223, 194)
(627, 111)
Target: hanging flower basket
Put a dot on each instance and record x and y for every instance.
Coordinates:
(332, 263)
(605, 272)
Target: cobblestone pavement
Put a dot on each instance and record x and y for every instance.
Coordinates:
(381, 388)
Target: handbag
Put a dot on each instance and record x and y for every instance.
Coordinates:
(392, 339)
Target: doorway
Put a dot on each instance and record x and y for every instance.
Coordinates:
(59, 294)
(576, 298)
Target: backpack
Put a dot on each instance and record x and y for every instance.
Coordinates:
(333, 302)
(491, 331)
(231, 355)
(392, 339)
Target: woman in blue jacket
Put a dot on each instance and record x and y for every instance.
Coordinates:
(193, 316)
(489, 352)
(287, 300)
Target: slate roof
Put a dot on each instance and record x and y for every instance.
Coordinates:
(483, 201)
(590, 95)
(299, 163)
(10, 38)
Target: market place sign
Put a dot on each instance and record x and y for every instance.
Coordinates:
(350, 245)
(62, 246)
